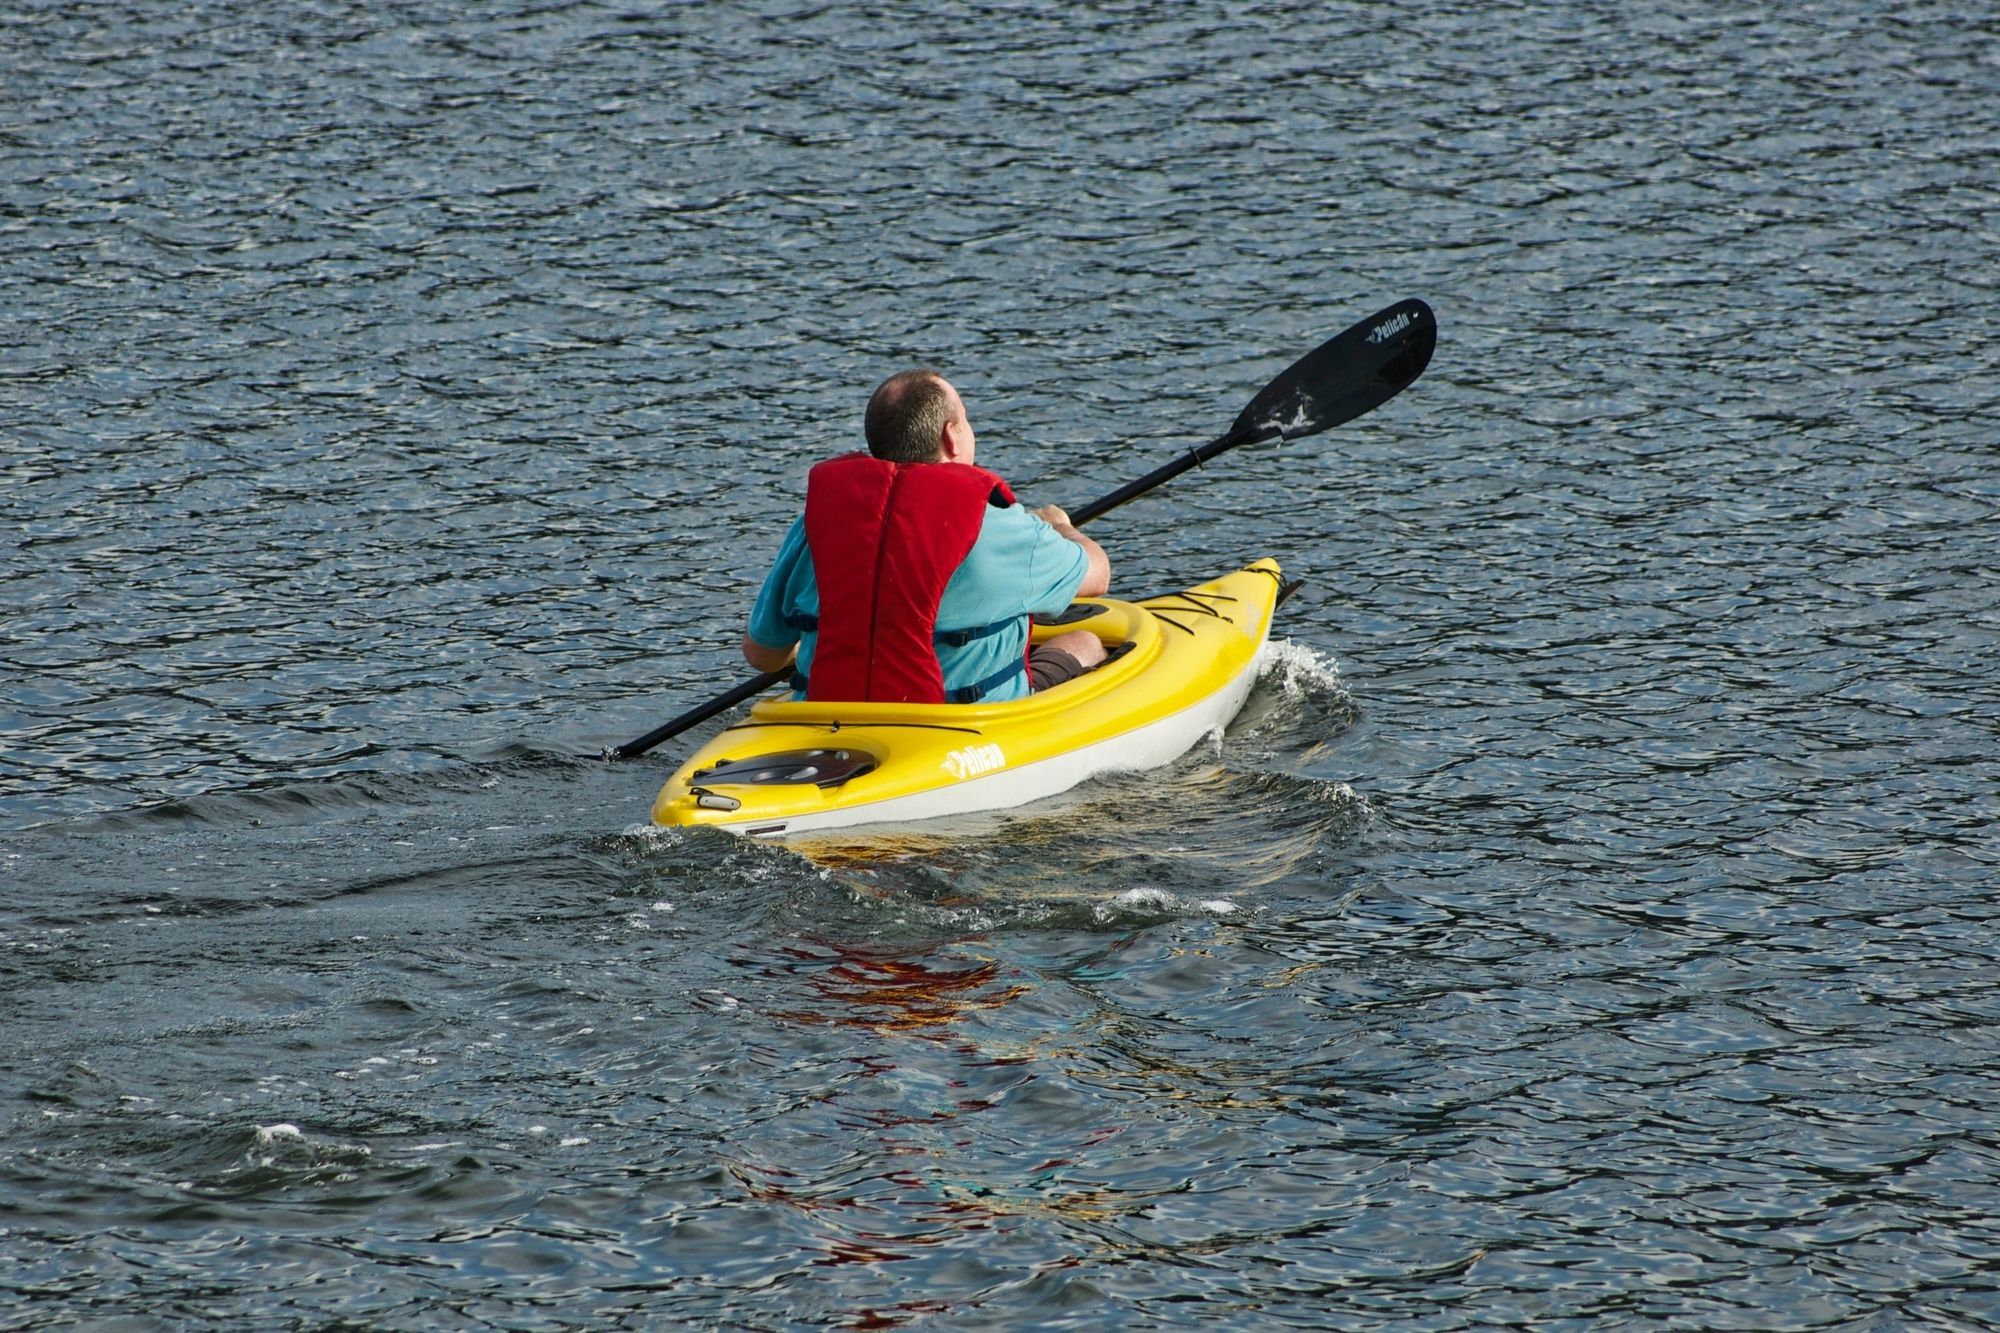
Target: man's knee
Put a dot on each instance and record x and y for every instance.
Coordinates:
(1062, 658)
(1085, 647)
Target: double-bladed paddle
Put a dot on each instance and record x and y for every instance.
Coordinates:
(1348, 374)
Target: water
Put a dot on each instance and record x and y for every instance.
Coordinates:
(1588, 921)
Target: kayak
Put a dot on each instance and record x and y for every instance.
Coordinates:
(1179, 666)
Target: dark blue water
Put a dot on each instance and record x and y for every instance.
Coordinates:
(1588, 922)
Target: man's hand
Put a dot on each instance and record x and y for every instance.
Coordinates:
(1056, 517)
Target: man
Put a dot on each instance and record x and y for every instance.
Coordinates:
(911, 574)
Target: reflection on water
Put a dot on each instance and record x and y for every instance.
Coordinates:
(891, 994)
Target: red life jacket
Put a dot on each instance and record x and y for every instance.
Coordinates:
(885, 539)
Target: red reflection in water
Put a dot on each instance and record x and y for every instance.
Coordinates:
(895, 994)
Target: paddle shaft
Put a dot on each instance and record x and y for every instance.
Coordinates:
(694, 717)
(1350, 373)
(1132, 490)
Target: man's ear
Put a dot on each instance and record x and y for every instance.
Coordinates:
(948, 450)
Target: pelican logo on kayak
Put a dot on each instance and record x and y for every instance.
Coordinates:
(1389, 328)
(974, 760)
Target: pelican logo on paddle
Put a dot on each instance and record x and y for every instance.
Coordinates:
(1389, 328)
(973, 761)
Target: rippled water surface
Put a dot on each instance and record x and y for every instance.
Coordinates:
(1590, 920)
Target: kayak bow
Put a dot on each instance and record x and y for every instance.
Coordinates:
(1181, 666)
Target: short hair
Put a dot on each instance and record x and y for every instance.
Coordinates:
(907, 415)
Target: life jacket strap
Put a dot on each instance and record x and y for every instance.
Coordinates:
(958, 638)
(949, 638)
(979, 689)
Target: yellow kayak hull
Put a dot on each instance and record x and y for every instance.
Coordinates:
(802, 767)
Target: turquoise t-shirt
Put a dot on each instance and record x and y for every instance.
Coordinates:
(1019, 567)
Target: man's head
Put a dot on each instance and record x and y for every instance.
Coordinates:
(917, 417)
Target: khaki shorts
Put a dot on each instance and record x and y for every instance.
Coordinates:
(1051, 666)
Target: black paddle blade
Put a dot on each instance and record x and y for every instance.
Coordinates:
(1348, 374)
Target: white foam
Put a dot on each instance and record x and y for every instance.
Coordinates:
(1299, 669)
(656, 835)
(272, 1133)
(1151, 899)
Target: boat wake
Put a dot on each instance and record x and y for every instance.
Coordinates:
(1300, 700)
(295, 801)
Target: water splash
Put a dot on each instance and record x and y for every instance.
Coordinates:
(1301, 671)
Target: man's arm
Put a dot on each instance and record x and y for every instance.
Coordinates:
(1097, 579)
(769, 643)
(766, 658)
